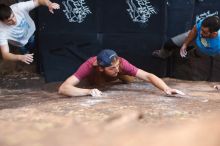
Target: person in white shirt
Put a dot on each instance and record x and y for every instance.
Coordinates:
(17, 28)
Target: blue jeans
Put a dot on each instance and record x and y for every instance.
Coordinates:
(29, 46)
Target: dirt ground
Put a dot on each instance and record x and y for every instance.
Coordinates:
(33, 114)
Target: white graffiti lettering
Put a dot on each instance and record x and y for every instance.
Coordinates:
(140, 10)
(204, 15)
(76, 10)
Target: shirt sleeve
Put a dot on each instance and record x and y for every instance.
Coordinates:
(3, 40)
(85, 69)
(198, 25)
(128, 68)
(27, 6)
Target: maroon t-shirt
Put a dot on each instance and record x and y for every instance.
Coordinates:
(87, 68)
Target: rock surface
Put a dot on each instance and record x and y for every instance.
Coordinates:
(32, 113)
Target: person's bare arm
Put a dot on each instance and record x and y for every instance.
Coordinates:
(51, 6)
(156, 81)
(192, 35)
(69, 88)
(6, 55)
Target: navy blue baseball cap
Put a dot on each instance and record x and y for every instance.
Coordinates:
(105, 57)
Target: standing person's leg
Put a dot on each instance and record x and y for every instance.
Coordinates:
(171, 45)
(29, 46)
(179, 39)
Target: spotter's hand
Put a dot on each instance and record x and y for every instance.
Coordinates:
(53, 6)
(27, 58)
